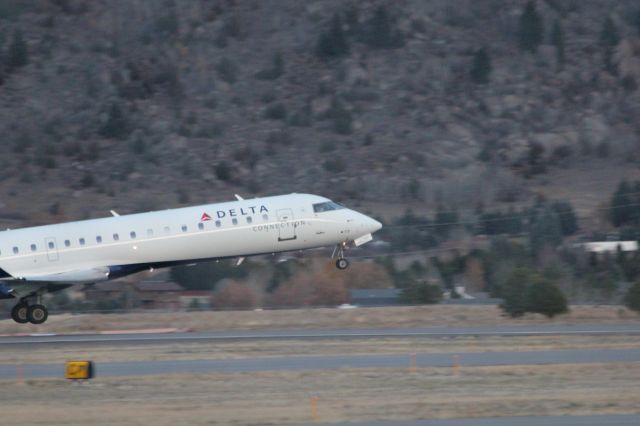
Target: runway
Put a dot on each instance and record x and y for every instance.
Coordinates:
(304, 362)
(425, 332)
(616, 365)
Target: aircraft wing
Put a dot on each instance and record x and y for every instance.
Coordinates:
(25, 285)
(77, 276)
(20, 289)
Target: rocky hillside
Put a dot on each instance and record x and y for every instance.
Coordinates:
(145, 104)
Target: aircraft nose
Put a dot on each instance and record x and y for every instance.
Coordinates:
(373, 225)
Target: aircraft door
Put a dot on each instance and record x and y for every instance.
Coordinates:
(287, 228)
(52, 249)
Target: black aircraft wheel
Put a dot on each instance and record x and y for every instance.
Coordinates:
(342, 263)
(19, 313)
(37, 314)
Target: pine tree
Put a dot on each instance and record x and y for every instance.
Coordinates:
(421, 292)
(341, 117)
(632, 299)
(333, 43)
(514, 301)
(530, 29)
(513, 222)
(544, 297)
(18, 55)
(567, 217)
(609, 35)
(276, 70)
(544, 228)
(380, 32)
(622, 210)
(557, 39)
(481, 67)
(117, 125)
(609, 38)
(445, 221)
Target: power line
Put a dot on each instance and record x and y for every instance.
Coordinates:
(528, 204)
(407, 253)
(499, 219)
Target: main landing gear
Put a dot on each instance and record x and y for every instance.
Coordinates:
(23, 313)
(341, 263)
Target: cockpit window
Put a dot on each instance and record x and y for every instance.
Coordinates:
(327, 206)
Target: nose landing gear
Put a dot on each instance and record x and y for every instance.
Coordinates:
(341, 263)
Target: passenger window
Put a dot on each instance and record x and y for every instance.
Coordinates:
(265, 217)
(218, 224)
(234, 221)
(81, 240)
(116, 237)
(133, 235)
(98, 239)
(184, 228)
(149, 232)
(15, 250)
(249, 219)
(33, 247)
(201, 226)
(67, 243)
(51, 245)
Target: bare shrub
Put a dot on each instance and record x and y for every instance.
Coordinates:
(318, 288)
(235, 294)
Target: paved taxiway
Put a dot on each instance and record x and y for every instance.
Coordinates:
(304, 362)
(427, 332)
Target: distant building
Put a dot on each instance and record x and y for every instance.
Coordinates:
(478, 298)
(195, 298)
(601, 247)
(375, 296)
(158, 294)
(107, 290)
(147, 294)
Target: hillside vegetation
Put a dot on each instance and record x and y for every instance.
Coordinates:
(451, 121)
(150, 104)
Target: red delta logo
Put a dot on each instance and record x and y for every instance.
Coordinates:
(234, 212)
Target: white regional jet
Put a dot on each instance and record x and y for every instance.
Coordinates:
(52, 257)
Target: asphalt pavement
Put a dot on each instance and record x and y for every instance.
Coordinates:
(306, 362)
(361, 333)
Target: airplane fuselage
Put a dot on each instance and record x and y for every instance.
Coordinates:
(112, 247)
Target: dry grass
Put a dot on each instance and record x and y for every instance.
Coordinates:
(587, 185)
(386, 317)
(343, 395)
